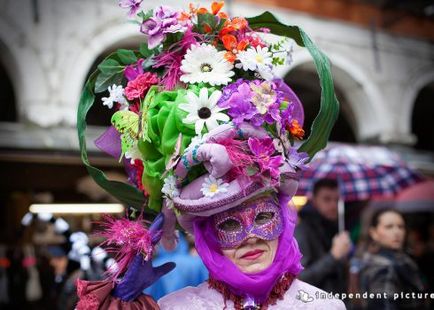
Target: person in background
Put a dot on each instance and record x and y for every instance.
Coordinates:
(386, 268)
(324, 248)
(192, 271)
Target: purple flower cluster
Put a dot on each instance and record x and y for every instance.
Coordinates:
(254, 101)
(164, 21)
(263, 150)
(132, 5)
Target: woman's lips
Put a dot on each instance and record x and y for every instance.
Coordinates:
(252, 255)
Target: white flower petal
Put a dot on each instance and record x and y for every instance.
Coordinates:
(199, 55)
(211, 123)
(215, 96)
(199, 126)
(222, 117)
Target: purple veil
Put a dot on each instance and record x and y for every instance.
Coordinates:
(257, 285)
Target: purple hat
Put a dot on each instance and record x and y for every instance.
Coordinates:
(240, 162)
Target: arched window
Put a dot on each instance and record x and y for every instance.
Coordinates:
(7, 97)
(422, 118)
(305, 84)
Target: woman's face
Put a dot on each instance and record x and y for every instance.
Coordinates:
(253, 255)
(248, 235)
(390, 231)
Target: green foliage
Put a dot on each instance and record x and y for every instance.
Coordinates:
(122, 191)
(111, 72)
(145, 51)
(127, 57)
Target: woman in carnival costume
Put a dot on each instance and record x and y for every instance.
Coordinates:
(206, 133)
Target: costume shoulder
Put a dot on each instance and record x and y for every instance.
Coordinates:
(302, 295)
(194, 298)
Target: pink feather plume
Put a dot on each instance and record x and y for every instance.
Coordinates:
(125, 238)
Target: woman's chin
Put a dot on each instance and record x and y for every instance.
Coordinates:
(254, 267)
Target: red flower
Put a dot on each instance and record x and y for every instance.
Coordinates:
(137, 88)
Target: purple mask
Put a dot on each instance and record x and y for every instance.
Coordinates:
(259, 218)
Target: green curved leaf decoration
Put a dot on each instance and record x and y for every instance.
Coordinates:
(329, 105)
(124, 192)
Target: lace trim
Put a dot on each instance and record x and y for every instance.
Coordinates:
(277, 293)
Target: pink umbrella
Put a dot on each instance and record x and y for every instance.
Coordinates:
(416, 198)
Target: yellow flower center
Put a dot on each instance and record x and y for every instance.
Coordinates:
(213, 188)
(259, 58)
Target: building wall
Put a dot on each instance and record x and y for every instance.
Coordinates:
(49, 50)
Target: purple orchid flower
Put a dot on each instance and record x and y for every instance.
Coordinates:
(240, 106)
(164, 20)
(296, 159)
(273, 114)
(263, 149)
(132, 5)
(134, 70)
(227, 93)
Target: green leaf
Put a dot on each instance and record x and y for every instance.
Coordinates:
(122, 191)
(110, 65)
(206, 18)
(127, 57)
(104, 80)
(329, 105)
(172, 38)
(145, 51)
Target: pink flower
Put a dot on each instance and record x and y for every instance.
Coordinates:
(263, 149)
(137, 88)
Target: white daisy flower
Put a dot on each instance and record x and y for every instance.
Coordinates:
(213, 186)
(257, 59)
(204, 63)
(169, 188)
(116, 95)
(203, 110)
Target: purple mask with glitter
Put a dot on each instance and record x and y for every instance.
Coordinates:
(259, 218)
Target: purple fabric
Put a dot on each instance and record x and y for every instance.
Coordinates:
(290, 96)
(256, 285)
(245, 216)
(110, 143)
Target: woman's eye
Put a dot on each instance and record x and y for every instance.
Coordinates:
(263, 217)
(229, 225)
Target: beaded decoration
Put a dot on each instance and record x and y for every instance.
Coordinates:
(259, 218)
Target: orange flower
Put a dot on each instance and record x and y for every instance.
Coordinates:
(184, 16)
(296, 130)
(231, 57)
(223, 15)
(202, 11)
(232, 46)
(237, 23)
(216, 6)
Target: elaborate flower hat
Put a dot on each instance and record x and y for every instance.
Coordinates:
(201, 122)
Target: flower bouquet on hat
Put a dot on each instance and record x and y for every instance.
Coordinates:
(196, 70)
(200, 120)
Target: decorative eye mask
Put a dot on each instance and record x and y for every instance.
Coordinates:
(259, 218)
